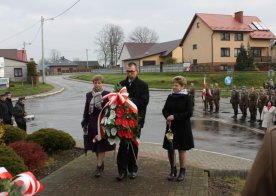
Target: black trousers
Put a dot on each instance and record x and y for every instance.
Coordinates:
(126, 158)
(21, 123)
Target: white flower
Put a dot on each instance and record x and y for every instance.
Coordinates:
(107, 131)
(103, 120)
(112, 114)
(113, 131)
(113, 140)
(113, 106)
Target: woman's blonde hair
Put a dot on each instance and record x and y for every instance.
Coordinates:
(180, 80)
(98, 78)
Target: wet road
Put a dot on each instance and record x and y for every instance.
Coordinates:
(64, 111)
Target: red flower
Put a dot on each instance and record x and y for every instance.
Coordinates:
(132, 123)
(118, 121)
(120, 112)
(129, 134)
(125, 123)
(121, 133)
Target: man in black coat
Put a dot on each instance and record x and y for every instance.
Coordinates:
(4, 110)
(139, 94)
(19, 113)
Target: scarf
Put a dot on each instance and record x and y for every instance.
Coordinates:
(96, 100)
(182, 92)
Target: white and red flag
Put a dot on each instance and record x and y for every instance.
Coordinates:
(204, 89)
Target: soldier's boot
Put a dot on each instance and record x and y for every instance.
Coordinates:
(217, 110)
(251, 119)
(243, 117)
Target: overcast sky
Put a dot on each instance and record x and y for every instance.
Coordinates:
(74, 32)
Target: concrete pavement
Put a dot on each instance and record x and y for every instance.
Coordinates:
(77, 177)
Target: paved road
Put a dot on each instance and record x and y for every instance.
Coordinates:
(217, 133)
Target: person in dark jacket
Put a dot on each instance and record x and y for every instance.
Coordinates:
(4, 110)
(234, 100)
(177, 112)
(19, 113)
(93, 106)
(139, 94)
(10, 107)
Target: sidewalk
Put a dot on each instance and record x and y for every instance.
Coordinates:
(77, 177)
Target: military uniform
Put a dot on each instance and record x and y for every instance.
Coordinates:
(216, 97)
(244, 103)
(192, 93)
(262, 100)
(234, 100)
(252, 97)
(209, 98)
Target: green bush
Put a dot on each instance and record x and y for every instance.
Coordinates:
(12, 134)
(52, 140)
(11, 161)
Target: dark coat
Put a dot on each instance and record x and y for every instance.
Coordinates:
(4, 111)
(91, 122)
(261, 179)
(19, 113)
(10, 106)
(181, 107)
(139, 95)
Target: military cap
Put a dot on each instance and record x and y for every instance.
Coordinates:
(21, 98)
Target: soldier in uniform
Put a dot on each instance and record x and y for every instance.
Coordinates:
(253, 98)
(262, 100)
(244, 103)
(216, 97)
(234, 100)
(209, 97)
(192, 93)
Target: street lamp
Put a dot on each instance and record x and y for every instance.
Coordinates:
(42, 47)
(87, 58)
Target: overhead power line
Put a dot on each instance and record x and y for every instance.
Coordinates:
(66, 10)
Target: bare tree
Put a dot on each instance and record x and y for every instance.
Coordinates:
(143, 35)
(110, 41)
(54, 55)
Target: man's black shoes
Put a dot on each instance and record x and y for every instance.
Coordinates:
(132, 175)
(121, 176)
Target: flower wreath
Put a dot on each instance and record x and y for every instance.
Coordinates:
(118, 121)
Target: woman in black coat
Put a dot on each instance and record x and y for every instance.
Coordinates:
(93, 106)
(177, 112)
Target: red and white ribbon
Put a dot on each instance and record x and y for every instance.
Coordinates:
(4, 174)
(115, 99)
(26, 180)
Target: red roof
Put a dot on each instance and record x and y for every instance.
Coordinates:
(220, 22)
(19, 55)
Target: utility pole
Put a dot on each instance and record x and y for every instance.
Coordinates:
(42, 48)
(87, 59)
(42, 51)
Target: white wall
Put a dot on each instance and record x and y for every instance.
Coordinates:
(9, 70)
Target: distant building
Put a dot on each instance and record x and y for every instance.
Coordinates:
(144, 54)
(64, 65)
(215, 40)
(91, 64)
(13, 65)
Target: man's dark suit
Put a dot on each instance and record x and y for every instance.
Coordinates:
(139, 94)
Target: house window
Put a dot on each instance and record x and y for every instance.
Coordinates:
(256, 52)
(239, 36)
(197, 24)
(237, 52)
(225, 52)
(195, 61)
(194, 46)
(18, 72)
(225, 36)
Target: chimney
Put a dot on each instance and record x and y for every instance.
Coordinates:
(239, 16)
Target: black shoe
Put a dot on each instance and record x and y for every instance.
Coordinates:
(102, 167)
(132, 175)
(173, 174)
(181, 174)
(121, 176)
(98, 171)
